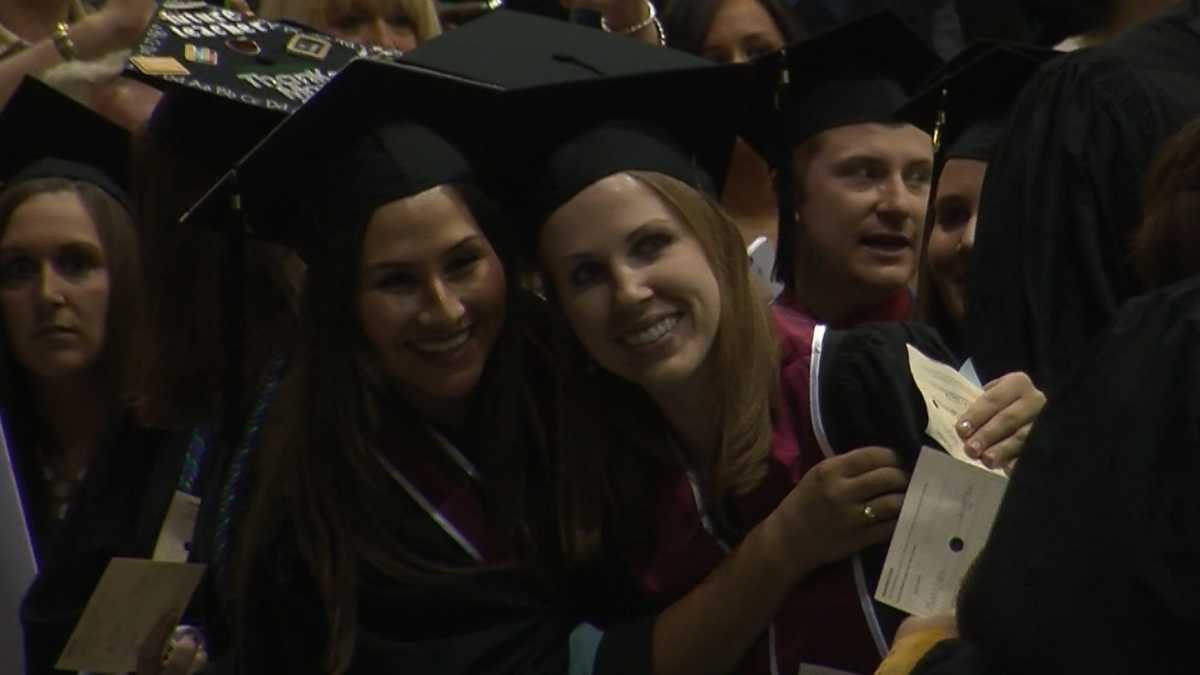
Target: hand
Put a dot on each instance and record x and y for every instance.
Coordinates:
(824, 519)
(619, 14)
(997, 423)
(945, 623)
(171, 650)
(240, 6)
(125, 19)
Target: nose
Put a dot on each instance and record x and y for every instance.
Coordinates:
(967, 242)
(629, 288)
(50, 287)
(898, 204)
(442, 307)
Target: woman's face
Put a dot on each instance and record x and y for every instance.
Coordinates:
(741, 31)
(634, 283)
(376, 23)
(953, 235)
(431, 297)
(865, 191)
(54, 285)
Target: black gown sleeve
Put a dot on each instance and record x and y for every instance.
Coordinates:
(867, 394)
(1050, 266)
(1091, 564)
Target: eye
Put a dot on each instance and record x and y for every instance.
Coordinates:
(757, 46)
(585, 274)
(919, 177)
(651, 245)
(952, 213)
(395, 280)
(862, 171)
(463, 264)
(74, 263)
(17, 269)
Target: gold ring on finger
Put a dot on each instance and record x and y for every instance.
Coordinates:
(870, 513)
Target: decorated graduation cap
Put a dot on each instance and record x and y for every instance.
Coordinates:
(965, 107)
(860, 72)
(84, 146)
(242, 58)
(330, 164)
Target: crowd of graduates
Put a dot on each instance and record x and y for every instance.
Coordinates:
(574, 337)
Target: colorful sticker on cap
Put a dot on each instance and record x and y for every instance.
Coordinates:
(159, 65)
(197, 54)
(309, 45)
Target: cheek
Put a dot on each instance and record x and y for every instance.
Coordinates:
(941, 250)
(384, 318)
(588, 315)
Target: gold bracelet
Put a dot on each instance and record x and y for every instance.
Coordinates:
(652, 17)
(64, 44)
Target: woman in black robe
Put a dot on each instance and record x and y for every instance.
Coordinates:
(71, 286)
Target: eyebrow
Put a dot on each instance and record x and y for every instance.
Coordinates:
(637, 232)
(78, 245)
(406, 264)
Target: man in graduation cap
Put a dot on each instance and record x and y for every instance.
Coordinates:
(852, 179)
(1050, 266)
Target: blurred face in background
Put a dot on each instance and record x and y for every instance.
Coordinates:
(741, 31)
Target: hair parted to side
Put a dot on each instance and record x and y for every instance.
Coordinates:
(121, 357)
(1166, 244)
(618, 437)
(422, 13)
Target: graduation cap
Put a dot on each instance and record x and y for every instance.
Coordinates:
(541, 82)
(965, 106)
(271, 65)
(859, 72)
(84, 145)
(576, 104)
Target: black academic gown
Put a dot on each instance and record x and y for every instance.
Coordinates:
(1050, 266)
(118, 512)
(1092, 563)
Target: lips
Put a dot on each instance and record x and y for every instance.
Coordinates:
(649, 332)
(886, 241)
(442, 344)
(55, 331)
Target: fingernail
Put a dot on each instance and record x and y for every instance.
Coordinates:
(988, 460)
(965, 428)
(973, 448)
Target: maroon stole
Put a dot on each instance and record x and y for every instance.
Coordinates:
(448, 488)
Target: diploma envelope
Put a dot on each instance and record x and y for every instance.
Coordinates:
(945, 521)
(133, 594)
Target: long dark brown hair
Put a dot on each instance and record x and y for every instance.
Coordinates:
(616, 440)
(320, 473)
(175, 162)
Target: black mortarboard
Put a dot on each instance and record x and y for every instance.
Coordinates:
(235, 57)
(577, 104)
(965, 106)
(330, 164)
(519, 86)
(859, 72)
(81, 146)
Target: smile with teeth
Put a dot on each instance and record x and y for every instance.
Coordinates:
(653, 333)
(445, 345)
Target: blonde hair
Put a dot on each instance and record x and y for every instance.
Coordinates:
(422, 13)
(605, 494)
